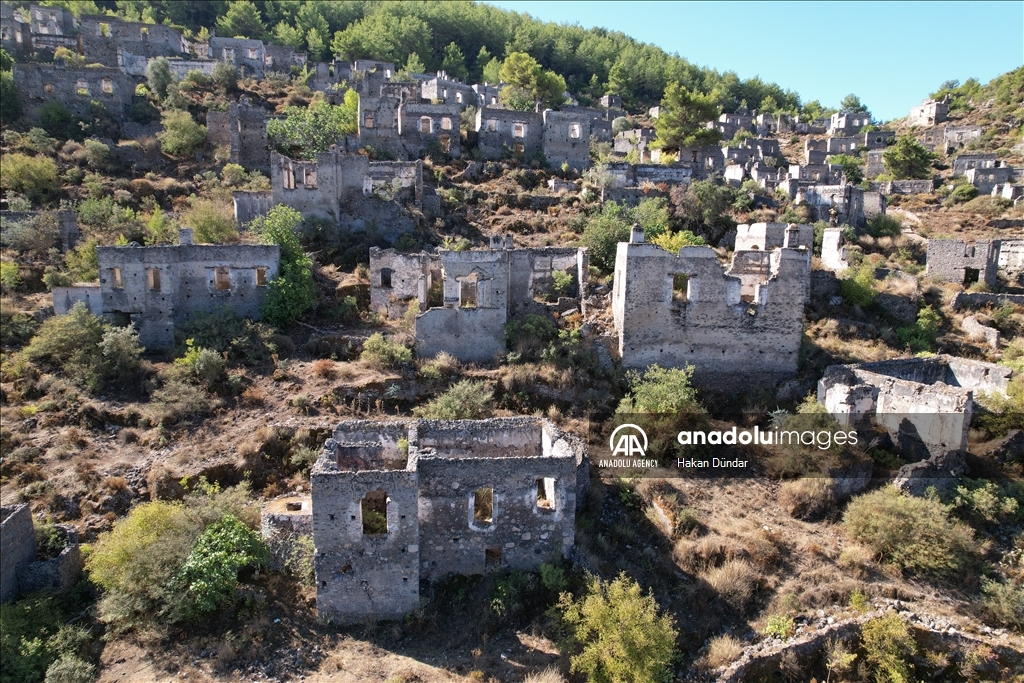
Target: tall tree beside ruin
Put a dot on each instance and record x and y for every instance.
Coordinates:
(525, 75)
(908, 159)
(851, 104)
(683, 119)
(242, 19)
(293, 291)
(454, 62)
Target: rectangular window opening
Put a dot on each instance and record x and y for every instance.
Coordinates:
(222, 278)
(368, 121)
(107, 85)
(310, 179)
(574, 131)
(82, 87)
(153, 279)
(546, 493)
(115, 276)
(374, 507)
(492, 558)
(519, 130)
(680, 287)
(446, 123)
(261, 276)
(385, 277)
(483, 506)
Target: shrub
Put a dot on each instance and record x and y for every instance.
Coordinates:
(963, 193)
(292, 292)
(779, 626)
(466, 399)
(57, 121)
(225, 76)
(884, 225)
(620, 632)
(97, 154)
(207, 577)
(529, 336)
(204, 365)
(212, 221)
(121, 354)
(808, 498)
(661, 390)
(384, 353)
(35, 235)
(913, 534)
(159, 76)
(858, 285)
(888, 646)
(325, 369)
(224, 332)
(1003, 603)
(674, 241)
(10, 105)
(35, 177)
(9, 277)
(70, 669)
(181, 134)
(33, 637)
(921, 336)
(70, 343)
(233, 174)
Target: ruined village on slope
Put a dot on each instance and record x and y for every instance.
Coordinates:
(740, 311)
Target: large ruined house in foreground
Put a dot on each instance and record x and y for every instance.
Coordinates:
(397, 502)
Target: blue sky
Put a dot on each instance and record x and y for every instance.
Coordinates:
(892, 55)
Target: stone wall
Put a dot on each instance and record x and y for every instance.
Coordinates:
(955, 261)
(243, 130)
(677, 310)
(891, 187)
(833, 254)
(249, 56)
(424, 127)
(67, 223)
(60, 573)
(446, 91)
(159, 287)
(986, 179)
(457, 497)
(965, 162)
(1011, 257)
(103, 36)
(566, 140)
(17, 545)
(961, 299)
(504, 132)
(74, 88)
(65, 297)
(768, 236)
(397, 279)
(249, 205)
(321, 187)
(405, 176)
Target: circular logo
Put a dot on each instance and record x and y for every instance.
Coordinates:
(631, 442)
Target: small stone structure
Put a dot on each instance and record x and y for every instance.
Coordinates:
(247, 55)
(283, 521)
(243, 130)
(833, 253)
(103, 36)
(397, 502)
(929, 113)
(925, 404)
(20, 574)
(844, 123)
(64, 298)
(986, 179)
(506, 132)
(768, 236)
(162, 286)
(482, 290)
(17, 545)
(397, 279)
(249, 205)
(683, 309)
(956, 261)
(965, 162)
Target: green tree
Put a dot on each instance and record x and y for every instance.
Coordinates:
(414, 65)
(851, 104)
(293, 291)
(661, 390)
(315, 45)
(603, 233)
(385, 35)
(159, 76)
(212, 221)
(483, 57)
(908, 159)
(242, 20)
(181, 134)
(674, 241)
(10, 107)
(286, 34)
(491, 72)
(621, 634)
(851, 167)
(6, 61)
(35, 177)
(453, 62)
(888, 647)
(522, 71)
(225, 75)
(683, 118)
(305, 132)
(70, 343)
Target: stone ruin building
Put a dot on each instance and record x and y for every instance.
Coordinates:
(956, 261)
(929, 113)
(72, 87)
(163, 286)
(682, 309)
(20, 572)
(480, 291)
(924, 404)
(563, 137)
(769, 236)
(37, 28)
(394, 503)
(833, 253)
(393, 117)
(242, 129)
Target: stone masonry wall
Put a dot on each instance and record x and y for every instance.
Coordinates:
(17, 545)
(723, 323)
(501, 131)
(73, 88)
(65, 297)
(949, 260)
(566, 140)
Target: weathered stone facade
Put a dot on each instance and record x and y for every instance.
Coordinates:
(64, 298)
(768, 236)
(484, 288)
(397, 279)
(924, 403)
(243, 130)
(17, 545)
(505, 132)
(397, 502)
(159, 287)
(248, 56)
(682, 309)
(955, 261)
(103, 36)
(566, 140)
(833, 253)
(928, 113)
(73, 87)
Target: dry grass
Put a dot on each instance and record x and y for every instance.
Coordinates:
(734, 582)
(548, 675)
(722, 650)
(325, 369)
(807, 498)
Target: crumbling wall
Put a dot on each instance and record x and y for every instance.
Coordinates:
(285, 520)
(249, 205)
(744, 321)
(243, 130)
(890, 187)
(65, 297)
(955, 261)
(165, 285)
(103, 36)
(423, 127)
(67, 223)
(505, 132)
(398, 279)
(965, 162)
(322, 187)
(17, 545)
(833, 253)
(446, 91)
(768, 236)
(399, 180)
(986, 179)
(59, 573)
(566, 140)
(1011, 257)
(74, 88)
(531, 276)
(248, 55)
